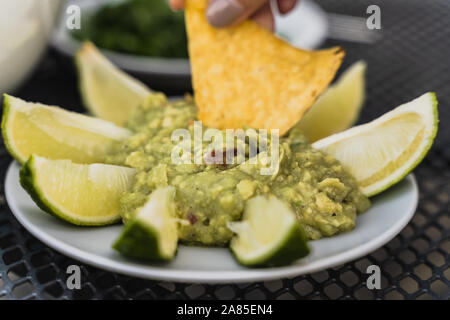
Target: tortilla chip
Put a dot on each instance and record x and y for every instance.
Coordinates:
(244, 76)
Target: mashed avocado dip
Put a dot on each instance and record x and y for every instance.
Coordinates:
(323, 195)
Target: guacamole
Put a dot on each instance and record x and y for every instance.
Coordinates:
(323, 195)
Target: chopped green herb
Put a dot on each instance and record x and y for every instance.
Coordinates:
(141, 27)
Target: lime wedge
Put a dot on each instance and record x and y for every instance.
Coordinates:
(55, 133)
(268, 235)
(381, 153)
(85, 195)
(107, 92)
(152, 234)
(338, 108)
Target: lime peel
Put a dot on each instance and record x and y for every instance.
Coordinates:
(85, 195)
(268, 235)
(339, 107)
(55, 133)
(381, 153)
(152, 234)
(107, 92)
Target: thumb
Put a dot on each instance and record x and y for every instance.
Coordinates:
(222, 13)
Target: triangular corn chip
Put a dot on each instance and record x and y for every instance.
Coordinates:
(244, 76)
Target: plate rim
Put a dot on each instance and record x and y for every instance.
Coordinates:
(203, 276)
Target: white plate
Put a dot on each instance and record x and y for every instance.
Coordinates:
(305, 27)
(389, 214)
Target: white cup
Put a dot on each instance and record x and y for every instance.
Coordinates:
(25, 29)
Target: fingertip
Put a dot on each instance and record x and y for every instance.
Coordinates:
(223, 13)
(285, 6)
(177, 4)
(264, 17)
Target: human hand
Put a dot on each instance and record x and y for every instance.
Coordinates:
(222, 13)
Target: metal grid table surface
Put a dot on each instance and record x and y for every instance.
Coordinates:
(413, 57)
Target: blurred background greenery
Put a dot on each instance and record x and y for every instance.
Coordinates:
(140, 27)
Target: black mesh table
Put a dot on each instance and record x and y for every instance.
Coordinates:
(412, 57)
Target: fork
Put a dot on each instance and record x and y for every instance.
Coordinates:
(350, 28)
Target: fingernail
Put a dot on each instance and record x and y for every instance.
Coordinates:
(222, 13)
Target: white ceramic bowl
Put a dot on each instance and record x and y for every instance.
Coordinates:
(25, 29)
